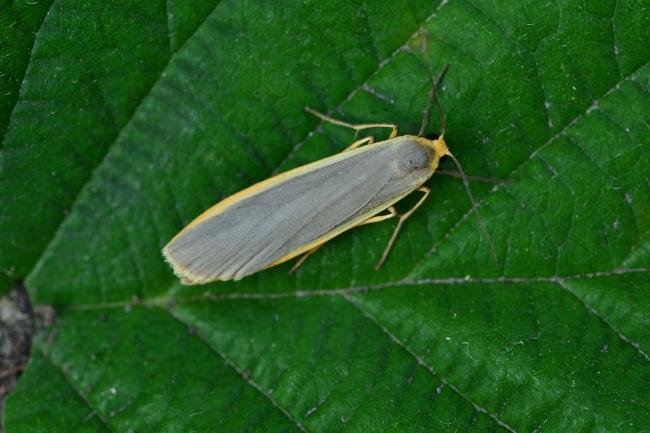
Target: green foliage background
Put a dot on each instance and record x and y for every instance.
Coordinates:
(122, 121)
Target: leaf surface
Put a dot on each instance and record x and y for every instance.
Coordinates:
(552, 336)
(75, 73)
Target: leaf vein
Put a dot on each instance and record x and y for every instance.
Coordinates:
(169, 299)
(560, 282)
(360, 87)
(75, 200)
(496, 188)
(241, 373)
(423, 363)
(77, 391)
(170, 34)
(22, 83)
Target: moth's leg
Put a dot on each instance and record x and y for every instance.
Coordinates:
(378, 218)
(402, 219)
(325, 118)
(359, 143)
(375, 219)
(304, 257)
(475, 178)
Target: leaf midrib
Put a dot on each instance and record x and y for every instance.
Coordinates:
(169, 298)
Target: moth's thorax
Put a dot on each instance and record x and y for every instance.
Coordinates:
(411, 159)
(419, 154)
(438, 149)
(439, 146)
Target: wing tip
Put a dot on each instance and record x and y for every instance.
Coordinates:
(186, 277)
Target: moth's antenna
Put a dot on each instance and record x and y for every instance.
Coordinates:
(475, 207)
(433, 95)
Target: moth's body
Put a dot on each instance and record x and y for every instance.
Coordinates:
(295, 212)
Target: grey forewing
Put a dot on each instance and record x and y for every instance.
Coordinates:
(259, 230)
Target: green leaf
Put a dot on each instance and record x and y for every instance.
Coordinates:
(18, 22)
(551, 337)
(90, 66)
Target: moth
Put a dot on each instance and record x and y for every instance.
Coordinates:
(296, 212)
